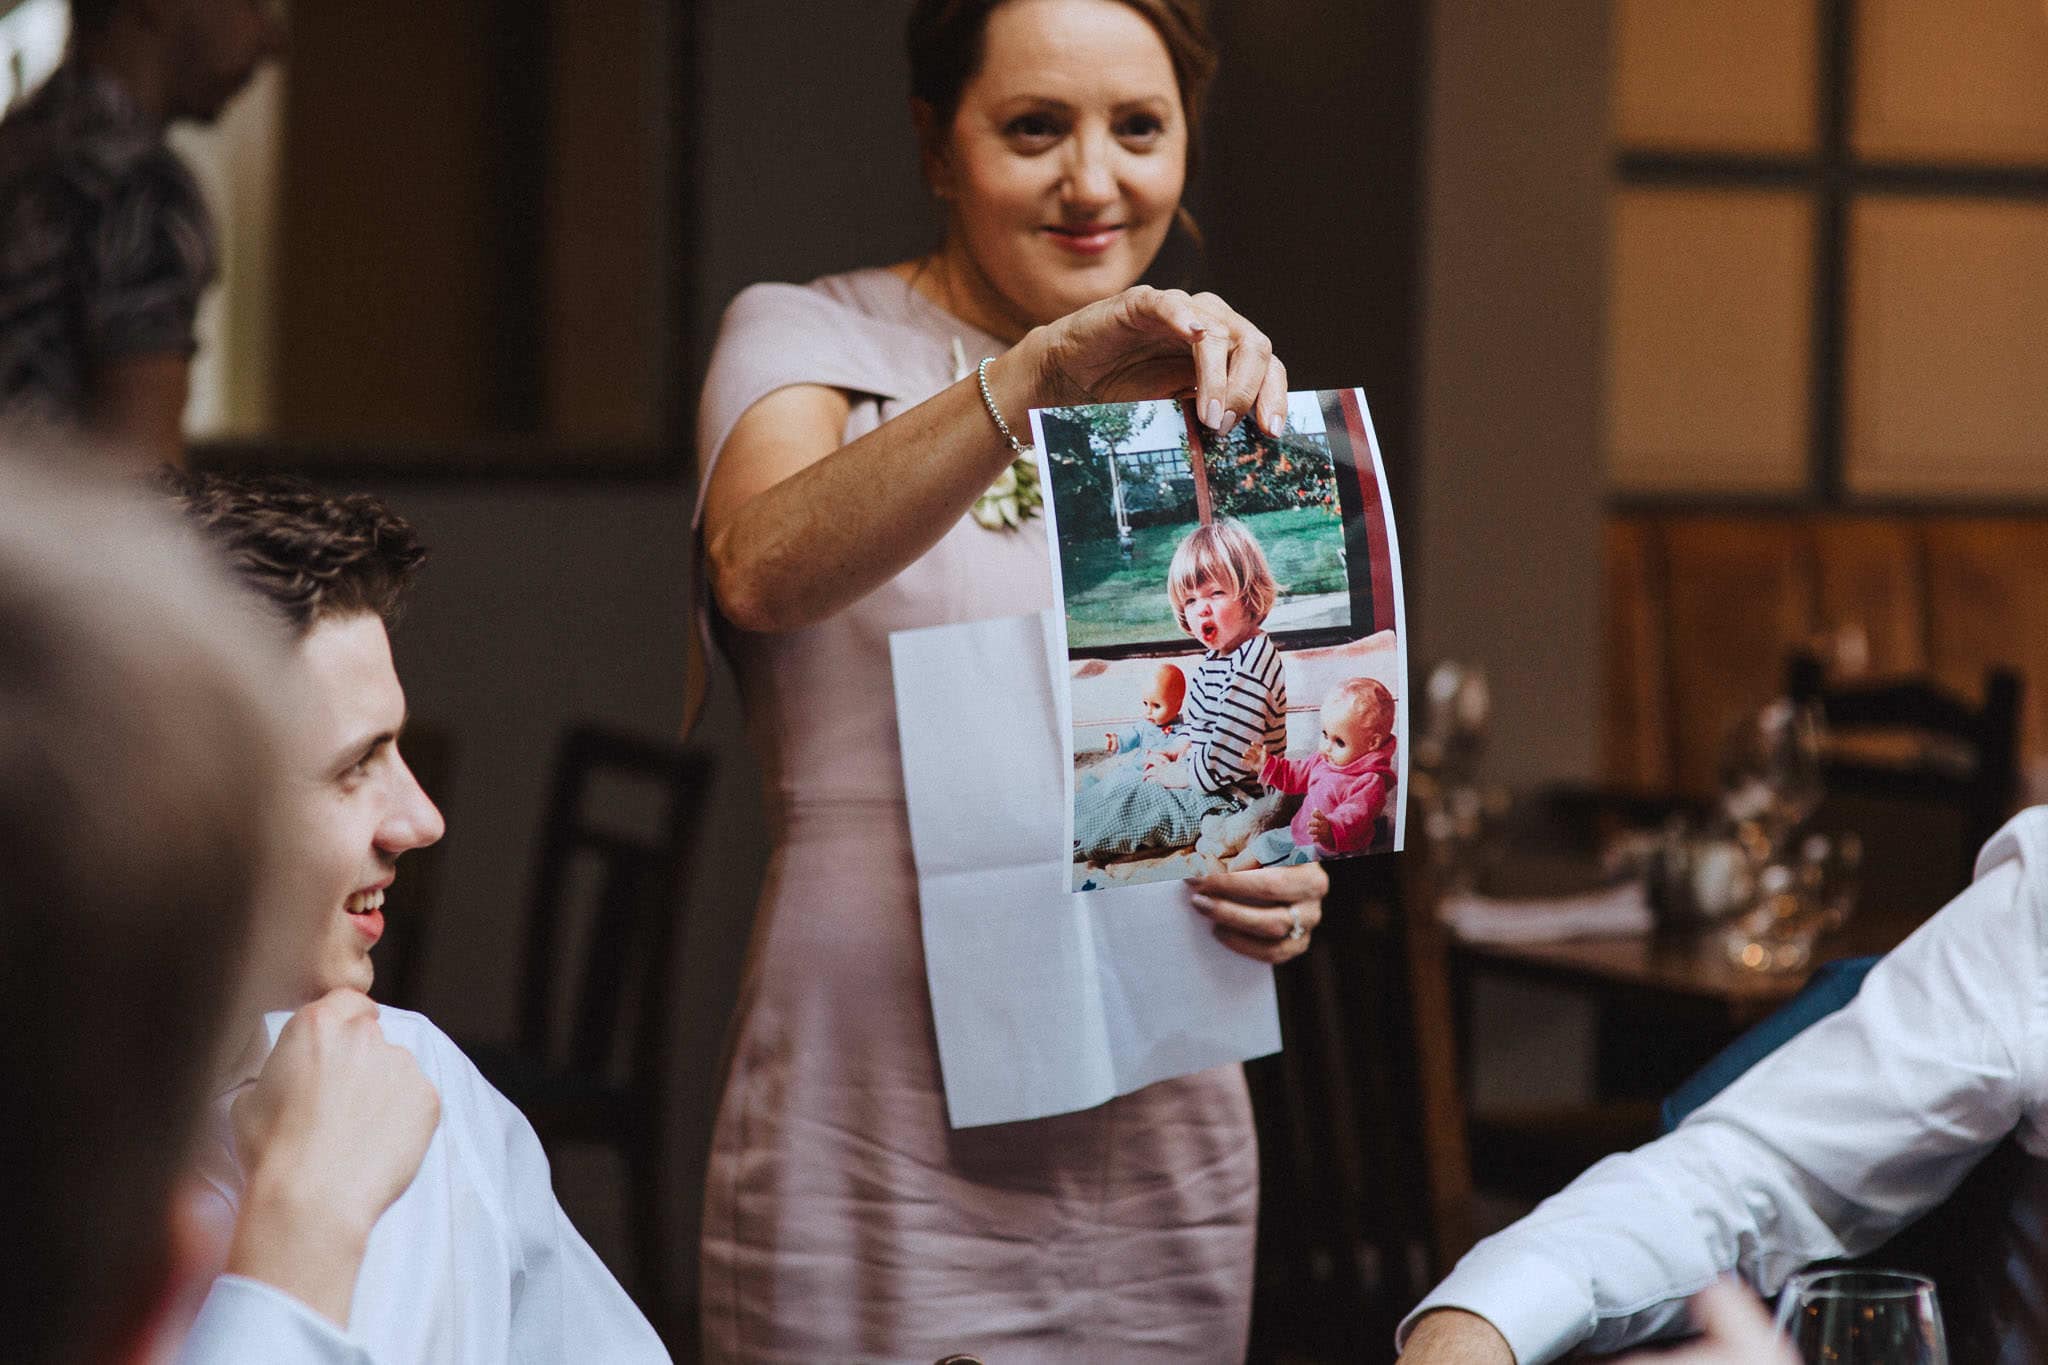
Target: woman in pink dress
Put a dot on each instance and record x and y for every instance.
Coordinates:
(845, 436)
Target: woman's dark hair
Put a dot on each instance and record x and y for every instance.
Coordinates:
(945, 42)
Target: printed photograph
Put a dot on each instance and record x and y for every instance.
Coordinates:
(1234, 635)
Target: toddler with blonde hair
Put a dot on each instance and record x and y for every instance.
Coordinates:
(1222, 590)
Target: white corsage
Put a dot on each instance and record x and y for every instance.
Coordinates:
(1013, 499)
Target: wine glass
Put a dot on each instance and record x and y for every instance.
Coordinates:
(1863, 1317)
(1830, 866)
(1770, 774)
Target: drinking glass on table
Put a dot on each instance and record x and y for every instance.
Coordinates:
(1797, 901)
(1863, 1317)
(1830, 868)
(1770, 775)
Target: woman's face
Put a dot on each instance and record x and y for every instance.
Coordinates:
(1065, 161)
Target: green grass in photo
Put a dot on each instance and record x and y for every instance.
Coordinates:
(1114, 602)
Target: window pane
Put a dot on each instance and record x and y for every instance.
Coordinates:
(235, 160)
(1716, 75)
(1707, 341)
(1948, 348)
(1959, 79)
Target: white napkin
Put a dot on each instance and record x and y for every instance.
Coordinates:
(1611, 913)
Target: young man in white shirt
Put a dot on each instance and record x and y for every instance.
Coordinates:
(475, 1261)
(148, 720)
(1851, 1130)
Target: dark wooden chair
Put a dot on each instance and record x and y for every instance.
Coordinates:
(1365, 1192)
(1920, 774)
(429, 751)
(590, 1060)
(1644, 1042)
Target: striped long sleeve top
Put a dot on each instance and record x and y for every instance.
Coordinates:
(1235, 700)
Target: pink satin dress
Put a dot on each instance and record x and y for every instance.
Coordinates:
(844, 1220)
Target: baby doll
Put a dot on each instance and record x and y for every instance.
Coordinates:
(1346, 784)
(1221, 589)
(1130, 746)
(1161, 703)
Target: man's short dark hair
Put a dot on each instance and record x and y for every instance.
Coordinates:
(139, 761)
(314, 555)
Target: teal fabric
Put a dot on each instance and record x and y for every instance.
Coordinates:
(1276, 848)
(1833, 985)
(1129, 814)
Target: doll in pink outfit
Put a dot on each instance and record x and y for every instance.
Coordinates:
(1345, 786)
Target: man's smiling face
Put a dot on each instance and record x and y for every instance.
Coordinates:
(361, 806)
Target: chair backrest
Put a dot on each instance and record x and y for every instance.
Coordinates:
(1365, 1185)
(637, 903)
(1923, 775)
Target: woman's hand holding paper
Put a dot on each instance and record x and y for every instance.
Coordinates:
(1257, 913)
(1157, 343)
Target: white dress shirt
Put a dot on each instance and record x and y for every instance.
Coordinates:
(475, 1263)
(1826, 1147)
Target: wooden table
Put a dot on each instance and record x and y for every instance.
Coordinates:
(1665, 1004)
(1690, 966)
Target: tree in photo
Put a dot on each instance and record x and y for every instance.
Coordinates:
(1079, 444)
(1250, 472)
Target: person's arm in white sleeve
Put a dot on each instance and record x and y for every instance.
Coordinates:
(566, 1304)
(1847, 1132)
(330, 1134)
(245, 1320)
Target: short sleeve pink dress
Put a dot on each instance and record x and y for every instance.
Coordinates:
(844, 1220)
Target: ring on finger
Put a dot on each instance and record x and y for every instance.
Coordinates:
(1295, 929)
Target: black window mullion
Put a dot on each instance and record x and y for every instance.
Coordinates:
(1828, 383)
(1836, 179)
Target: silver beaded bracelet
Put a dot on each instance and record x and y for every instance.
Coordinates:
(988, 400)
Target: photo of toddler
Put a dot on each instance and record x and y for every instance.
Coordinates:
(1221, 589)
(1228, 599)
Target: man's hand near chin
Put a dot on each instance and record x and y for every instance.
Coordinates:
(1451, 1336)
(329, 1136)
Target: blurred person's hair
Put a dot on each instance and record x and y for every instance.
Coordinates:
(91, 17)
(944, 39)
(1227, 553)
(313, 555)
(141, 713)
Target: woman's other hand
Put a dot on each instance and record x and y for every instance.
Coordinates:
(1157, 343)
(1254, 913)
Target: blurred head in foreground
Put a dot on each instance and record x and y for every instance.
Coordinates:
(334, 568)
(143, 728)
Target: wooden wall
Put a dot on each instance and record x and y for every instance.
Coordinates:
(1701, 611)
(475, 223)
(383, 277)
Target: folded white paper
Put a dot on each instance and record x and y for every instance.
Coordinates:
(1045, 1001)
